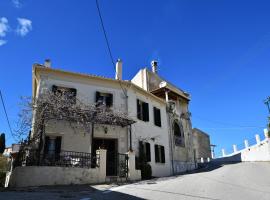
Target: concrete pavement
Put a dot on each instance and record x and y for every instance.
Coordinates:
(233, 181)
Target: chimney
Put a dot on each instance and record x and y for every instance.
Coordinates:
(47, 63)
(154, 65)
(118, 69)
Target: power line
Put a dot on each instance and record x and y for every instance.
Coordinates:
(104, 32)
(3, 104)
(108, 44)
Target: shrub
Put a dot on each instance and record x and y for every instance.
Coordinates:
(3, 169)
(146, 171)
(2, 178)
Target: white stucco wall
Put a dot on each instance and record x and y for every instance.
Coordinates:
(259, 152)
(78, 139)
(146, 130)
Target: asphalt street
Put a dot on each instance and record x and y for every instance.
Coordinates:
(233, 181)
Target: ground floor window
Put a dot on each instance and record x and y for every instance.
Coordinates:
(159, 154)
(52, 145)
(145, 149)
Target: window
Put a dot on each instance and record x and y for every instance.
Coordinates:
(159, 154)
(67, 93)
(142, 110)
(157, 117)
(52, 145)
(104, 99)
(178, 134)
(145, 148)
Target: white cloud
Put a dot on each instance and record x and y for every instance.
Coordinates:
(3, 26)
(24, 26)
(17, 3)
(2, 42)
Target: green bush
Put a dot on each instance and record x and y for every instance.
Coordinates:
(146, 171)
(3, 169)
(2, 178)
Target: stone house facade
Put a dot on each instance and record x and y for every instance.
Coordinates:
(201, 143)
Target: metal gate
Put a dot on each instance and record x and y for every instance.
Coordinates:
(122, 165)
(117, 164)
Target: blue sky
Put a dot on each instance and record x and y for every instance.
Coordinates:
(218, 51)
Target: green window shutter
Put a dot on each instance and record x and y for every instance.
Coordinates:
(157, 117)
(162, 154)
(109, 100)
(139, 110)
(145, 112)
(58, 142)
(148, 151)
(46, 146)
(54, 89)
(97, 96)
(156, 153)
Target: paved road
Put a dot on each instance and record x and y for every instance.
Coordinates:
(235, 181)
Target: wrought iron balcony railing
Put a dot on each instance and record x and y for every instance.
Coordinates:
(62, 159)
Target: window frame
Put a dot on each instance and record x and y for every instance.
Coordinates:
(60, 89)
(160, 154)
(107, 99)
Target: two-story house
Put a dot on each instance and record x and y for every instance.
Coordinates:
(157, 118)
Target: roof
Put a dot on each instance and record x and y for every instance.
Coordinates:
(175, 93)
(39, 67)
(171, 86)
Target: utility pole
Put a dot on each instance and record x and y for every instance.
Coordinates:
(267, 102)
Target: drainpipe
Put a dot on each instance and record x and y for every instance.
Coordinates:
(129, 130)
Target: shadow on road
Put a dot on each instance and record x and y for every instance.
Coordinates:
(78, 192)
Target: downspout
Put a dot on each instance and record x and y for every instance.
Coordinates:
(129, 130)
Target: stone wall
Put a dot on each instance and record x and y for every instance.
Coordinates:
(48, 175)
(201, 143)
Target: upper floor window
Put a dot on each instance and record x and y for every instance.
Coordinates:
(142, 110)
(104, 99)
(159, 154)
(67, 93)
(178, 134)
(157, 117)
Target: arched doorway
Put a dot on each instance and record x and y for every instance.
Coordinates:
(178, 134)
